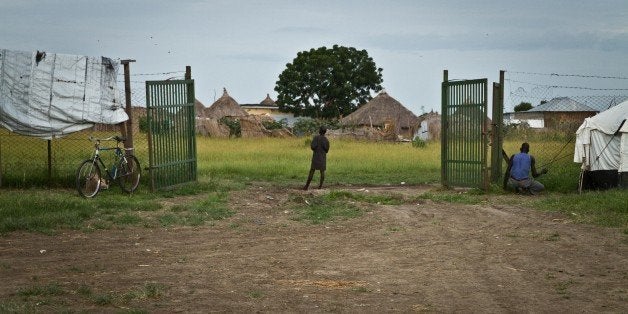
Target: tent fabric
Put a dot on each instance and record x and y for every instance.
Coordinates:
(51, 95)
(601, 142)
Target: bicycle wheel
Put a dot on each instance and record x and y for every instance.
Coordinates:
(88, 178)
(129, 172)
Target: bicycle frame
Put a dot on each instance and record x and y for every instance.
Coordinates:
(118, 155)
(125, 169)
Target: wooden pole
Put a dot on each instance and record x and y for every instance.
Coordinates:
(443, 130)
(49, 162)
(128, 144)
(0, 161)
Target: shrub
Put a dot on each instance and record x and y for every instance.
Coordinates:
(419, 143)
(235, 129)
(274, 125)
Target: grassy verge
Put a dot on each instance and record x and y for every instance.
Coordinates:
(603, 208)
(336, 205)
(230, 164)
(48, 210)
(52, 297)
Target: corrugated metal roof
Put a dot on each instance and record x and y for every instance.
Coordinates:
(562, 104)
(603, 103)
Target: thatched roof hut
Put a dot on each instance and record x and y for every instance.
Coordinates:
(199, 108)
(269, 102)
(225, 106)
(383, 112)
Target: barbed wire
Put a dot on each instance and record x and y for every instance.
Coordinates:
(142, 82)
(570, 75)
(153, 74)
(568, 87)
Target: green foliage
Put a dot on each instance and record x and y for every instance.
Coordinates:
(523, 106)
(324, 208)
(235, 129)
(214, 207)
(275, 125)
(50, 289)
(143, 124)
(418, 143)
(327, 83)
(306, 126)
(609, 207)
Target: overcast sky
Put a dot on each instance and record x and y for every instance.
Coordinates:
(244, 45)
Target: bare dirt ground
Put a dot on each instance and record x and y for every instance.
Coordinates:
(416, 257)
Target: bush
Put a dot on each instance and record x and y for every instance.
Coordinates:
(309, 126)
(235, 129)
(306, 126)
(274, 125)
(418, 143)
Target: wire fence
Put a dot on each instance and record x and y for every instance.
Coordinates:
(560, 103)
(29, 161)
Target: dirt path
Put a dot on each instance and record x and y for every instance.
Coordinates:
(424, 256)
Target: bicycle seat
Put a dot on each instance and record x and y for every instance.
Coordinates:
(120, 138)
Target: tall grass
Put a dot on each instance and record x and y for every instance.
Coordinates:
(229, 164)
(287, 161)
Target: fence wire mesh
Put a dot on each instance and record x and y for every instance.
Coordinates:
(560, 103)
(29, 161)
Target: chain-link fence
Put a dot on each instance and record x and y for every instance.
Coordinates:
(28, 161)
(557, 105)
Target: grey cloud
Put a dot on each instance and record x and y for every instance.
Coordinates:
(503, 41)
(300, 30)
(258, 57)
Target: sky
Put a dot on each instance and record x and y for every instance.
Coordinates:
(243, 46)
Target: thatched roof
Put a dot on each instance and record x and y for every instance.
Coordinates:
(381, 110)
(268, 101)
(225, 106)
(199, 108)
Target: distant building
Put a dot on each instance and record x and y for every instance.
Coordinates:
(267, 107)
(429, 126)
(558, 113)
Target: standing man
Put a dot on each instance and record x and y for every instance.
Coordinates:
(320, 147)
(519, 168)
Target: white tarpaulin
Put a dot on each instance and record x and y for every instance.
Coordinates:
(50, 95)
(601, 141)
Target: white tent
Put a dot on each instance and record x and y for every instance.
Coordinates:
(602, 140)
(50, 95)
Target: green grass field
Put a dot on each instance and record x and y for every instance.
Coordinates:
(230, 164)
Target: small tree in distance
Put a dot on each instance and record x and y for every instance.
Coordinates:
(523, 106)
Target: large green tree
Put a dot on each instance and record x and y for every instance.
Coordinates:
(327, 83)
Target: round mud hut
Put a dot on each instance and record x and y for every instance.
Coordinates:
(385, 113)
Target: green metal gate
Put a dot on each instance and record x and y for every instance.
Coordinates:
(171, 133)
(464, 133)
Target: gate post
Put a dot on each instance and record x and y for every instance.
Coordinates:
(443, 130)
(497, 138)
(129, 110)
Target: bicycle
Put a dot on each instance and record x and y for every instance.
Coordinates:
(125, 170)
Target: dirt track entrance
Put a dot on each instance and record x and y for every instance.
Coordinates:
(420, 256)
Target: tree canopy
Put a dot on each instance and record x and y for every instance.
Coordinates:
(523, 106)
(327, 83)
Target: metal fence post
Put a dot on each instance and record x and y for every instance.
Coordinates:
(497, 137)
(443, 131)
